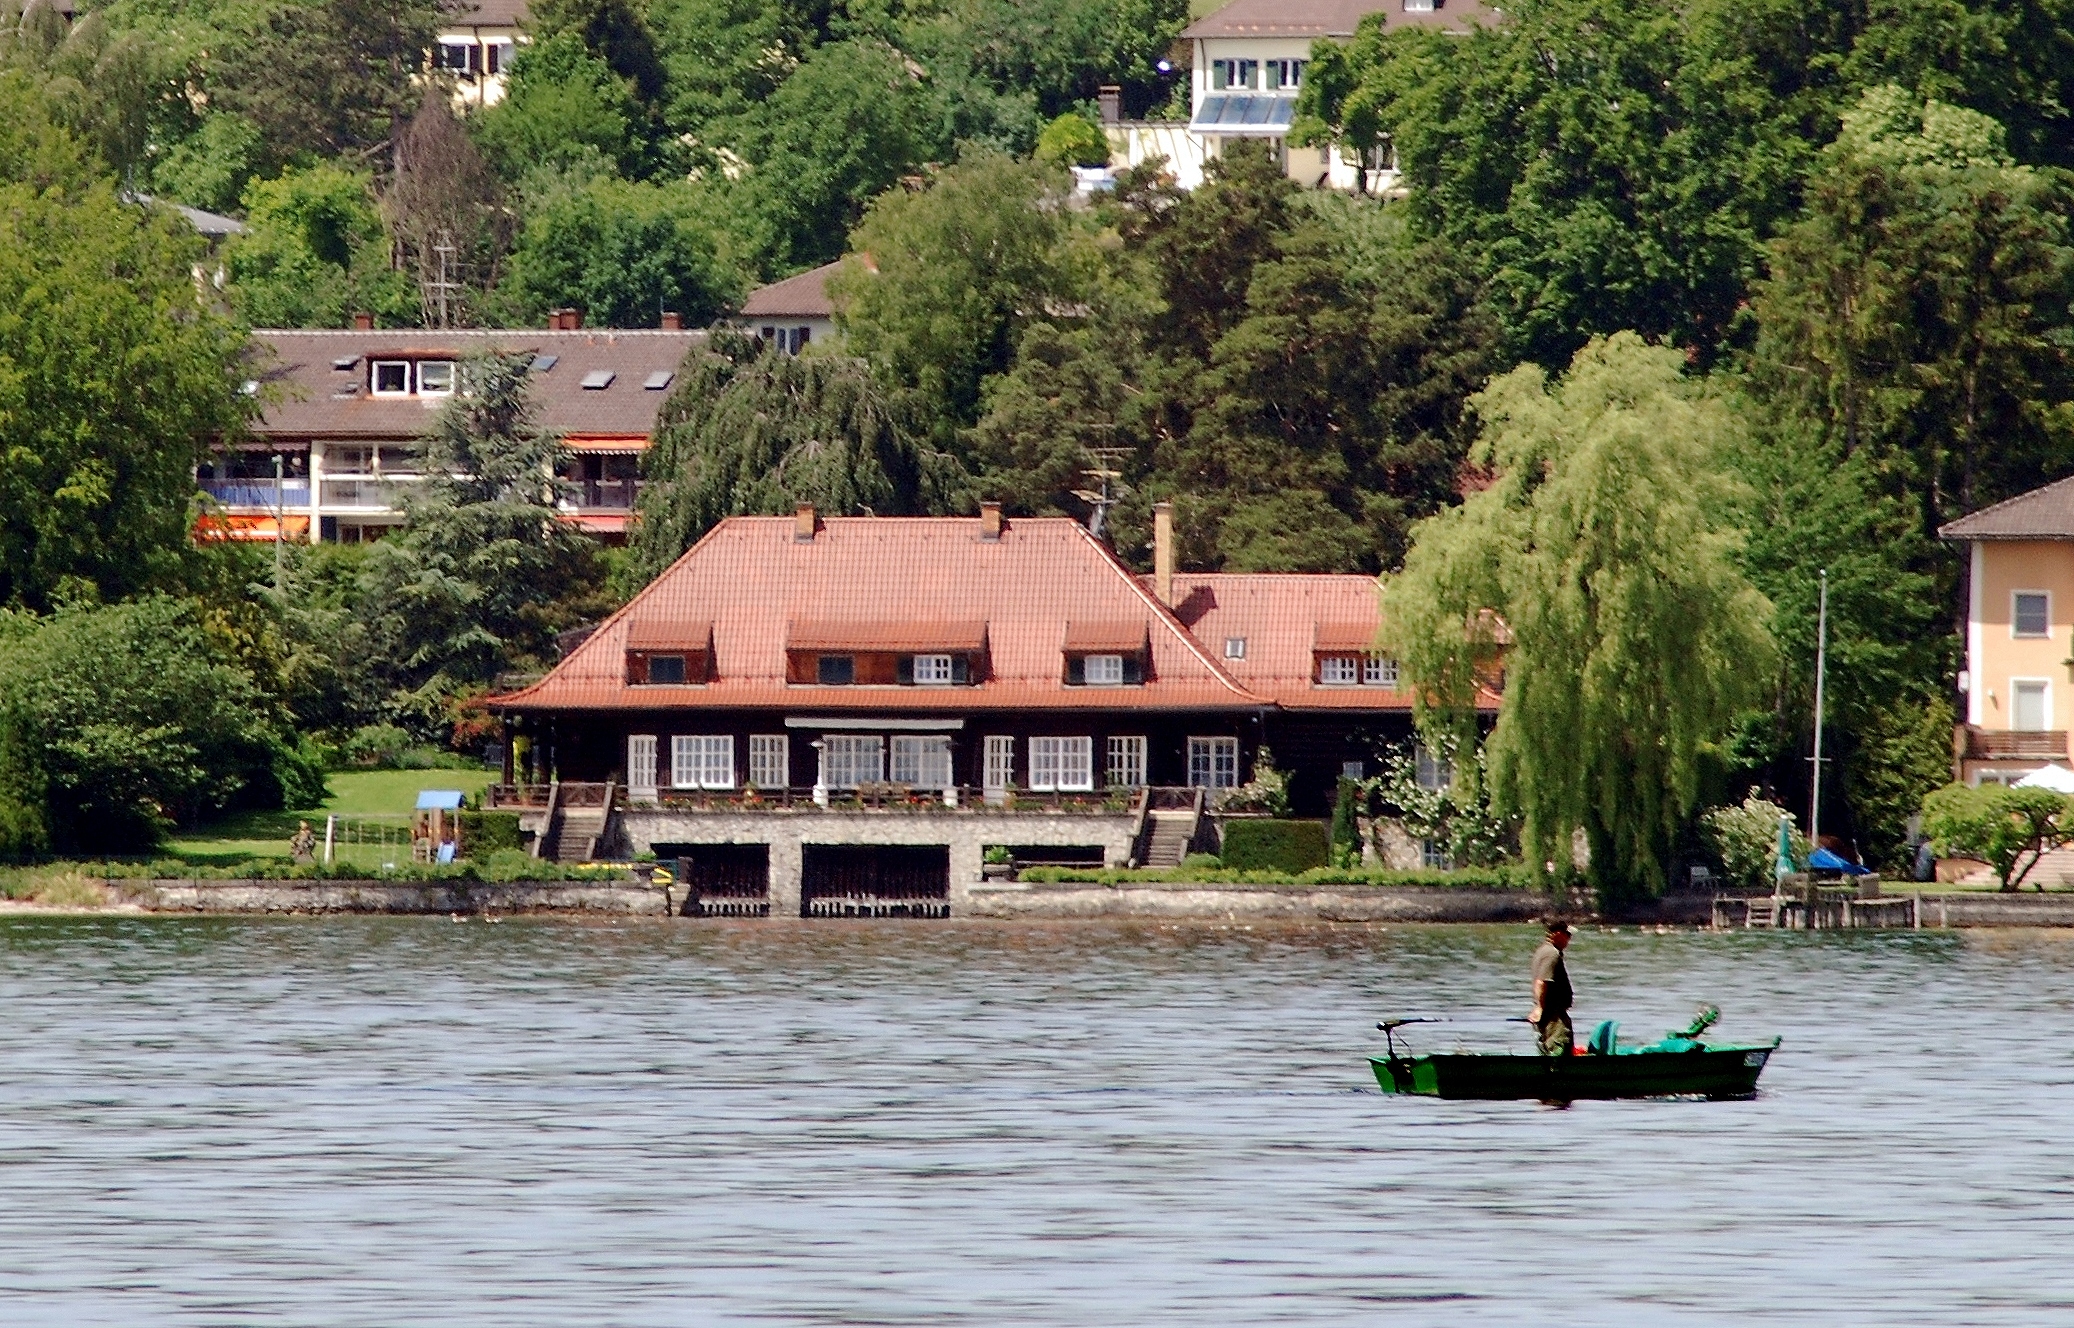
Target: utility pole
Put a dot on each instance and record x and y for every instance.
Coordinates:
(1821, 669)
(1104, 472)
(280, 516)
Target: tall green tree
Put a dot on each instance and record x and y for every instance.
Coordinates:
(468, 588)
(314, 252)
(751, 430)
(622, 250)
(1602, 550)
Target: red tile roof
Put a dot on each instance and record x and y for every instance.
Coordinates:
(1285, 619)
(757, 585)
(883, 634)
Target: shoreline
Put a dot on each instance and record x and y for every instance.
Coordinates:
(985, 901)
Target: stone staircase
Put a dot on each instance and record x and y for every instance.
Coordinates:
(574, 831)
(1167, 837)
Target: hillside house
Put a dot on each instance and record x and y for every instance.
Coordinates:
(812, 704)
(1246, 66)
(476, 45)
(794, 313)
(334, 448)
(2018, 685)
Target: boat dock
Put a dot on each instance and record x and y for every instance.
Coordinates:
(1818, 908)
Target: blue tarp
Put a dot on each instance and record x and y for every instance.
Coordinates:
(439, 800)
(1823, 860)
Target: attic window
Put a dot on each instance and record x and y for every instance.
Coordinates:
(1234, 647)
(1338, 671)
(666, 668)
(392, 378)
(435, 378)
(1418, 6)
(836, 670)
(542, 363)
(658, 380)
(345, 363)
(932, 670)
(1104, 670)
(597, 380)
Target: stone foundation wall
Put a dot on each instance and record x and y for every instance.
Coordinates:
(620, 898)
(1345, 903)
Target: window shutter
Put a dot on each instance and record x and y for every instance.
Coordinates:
(961, 669)
(1076, 671)
(904, 672)
(1133, 669)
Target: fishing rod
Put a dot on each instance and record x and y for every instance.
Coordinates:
(1390, 1026)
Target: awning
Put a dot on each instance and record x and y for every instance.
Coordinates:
(606, 442)
(226, 526)
(2052, 776)
(822, 634)
(439, 800)
(1823, 860)
(669, 634)
(1244, 113)
(1354, 637)
(1122, 637)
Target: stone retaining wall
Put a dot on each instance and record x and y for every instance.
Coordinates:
(1325, 903)
(1997, 910)
(620, 898)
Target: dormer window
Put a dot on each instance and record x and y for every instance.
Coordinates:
(1378, 672)
(1104, 670)
(836, 670)
(435, 378)
(392, 378)
(1418, 6)
(1338, 671)
(666, 669)
(931, 670)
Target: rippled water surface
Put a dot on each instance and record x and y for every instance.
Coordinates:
(377, 1121)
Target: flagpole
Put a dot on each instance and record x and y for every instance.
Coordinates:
(1821, 669)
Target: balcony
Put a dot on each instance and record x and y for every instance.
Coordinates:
(605, 495)
(366, 493)
(1979, 744)
(261, 495)
(877, 797)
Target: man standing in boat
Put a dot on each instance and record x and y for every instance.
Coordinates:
(1551, 1013)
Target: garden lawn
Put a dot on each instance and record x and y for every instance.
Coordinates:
(390, 795)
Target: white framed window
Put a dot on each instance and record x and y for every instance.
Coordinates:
(496, 56)
(641, 766)
(455, 54)
(1103, 670)
(435, 378)
(1379, 672)
(1065, 764)
(850, 759)
(770, 760)
(1432, 773)
(702, 761)
(1434, 856)
(1234, 647)
(1352, 770)
(922, 761)
(1285, 74)
(999, 772)
(1126, 768)
(390, 378)
(1338, 671)
(2030, 704)
(2030, 613)
(1418, 6)
(1213, 763)
(933, 670)
(1236, 74)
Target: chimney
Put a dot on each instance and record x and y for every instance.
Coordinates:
(363, 321)
(803, 523)
(565, 320)
(990, 521)
(673, 321)
(1109, 97)
(1163, 552)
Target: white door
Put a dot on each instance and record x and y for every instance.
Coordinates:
(2028, 711)
(1000, 764)
(641, 766)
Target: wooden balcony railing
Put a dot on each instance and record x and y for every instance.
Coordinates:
(2014, 745)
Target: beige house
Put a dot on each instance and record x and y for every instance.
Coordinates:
(1247, 63)
(476, 46)
(2019, 678)
(794, 313)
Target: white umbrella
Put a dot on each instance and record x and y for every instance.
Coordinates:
(2056, 777)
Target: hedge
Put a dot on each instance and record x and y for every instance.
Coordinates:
(1211, 873)
(1278, 846)
(483, 833)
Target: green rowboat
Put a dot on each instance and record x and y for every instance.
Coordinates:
(1681, 1065)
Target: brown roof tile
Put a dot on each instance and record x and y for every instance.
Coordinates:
(1331, 18)
(803, 296)
(304, 393)
(757, 584)
(2046, 513)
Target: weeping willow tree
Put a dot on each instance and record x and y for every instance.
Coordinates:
(1599, 573)
(749, 430)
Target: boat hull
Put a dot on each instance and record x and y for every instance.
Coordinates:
(1711, 1072)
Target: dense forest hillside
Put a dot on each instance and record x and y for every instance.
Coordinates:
(1846, 226)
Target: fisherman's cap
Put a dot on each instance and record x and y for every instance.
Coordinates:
(1554, 925)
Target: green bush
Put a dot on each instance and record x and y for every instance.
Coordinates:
(485, 833)
(1071, 140)
(1283, 846)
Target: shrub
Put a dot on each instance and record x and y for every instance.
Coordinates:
(1746, 839)
(1284, 846)
(1346, 826)
(484, 834)
(1071, 140)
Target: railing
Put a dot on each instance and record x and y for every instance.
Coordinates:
(610, 495)
(517, 797)
(258, 493)
(367, 493)
(883, 797)
(2012, 744)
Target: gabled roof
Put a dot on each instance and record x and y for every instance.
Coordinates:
(803, 296)
(2046, 513)
(1332, 18)
(489, 14)
(762, 589)
(305, 392)
(1286, 619)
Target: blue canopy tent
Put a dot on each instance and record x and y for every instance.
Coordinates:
(443, 837)
(1823, 860)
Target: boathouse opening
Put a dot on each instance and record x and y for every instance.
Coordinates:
(721, 880)
(875, 881)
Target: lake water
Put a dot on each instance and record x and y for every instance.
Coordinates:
(411, 1121)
